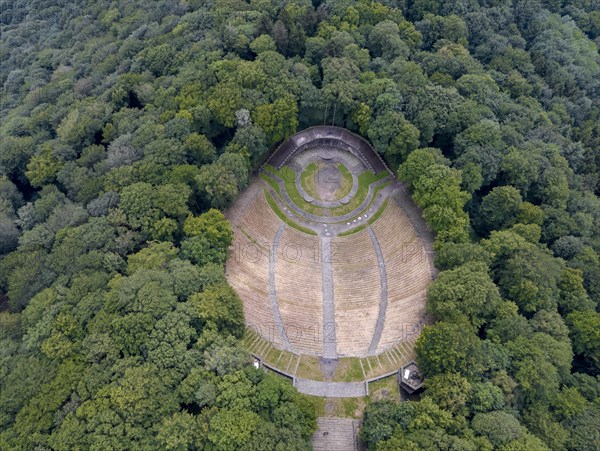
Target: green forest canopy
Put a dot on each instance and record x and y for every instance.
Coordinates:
(127, 126)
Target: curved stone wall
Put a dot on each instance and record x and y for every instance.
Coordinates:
(327, 136)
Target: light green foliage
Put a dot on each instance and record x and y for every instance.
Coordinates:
(263, 43)
(231, 429)
(572, 292)
(437, 190)
(449, 347)
(362, 117)
(221, 306)
(393, 136)
(145, 205)
(278, 119)
(156, 256)
(180, 431)
(499, 209)
(440, 185)
(210, 236)
(42, 168)
(585, 329)
(417, 162)
(499, 427)
(83, 121)
(221, 181)
(450, 391)
(211, 225)
(467, 291)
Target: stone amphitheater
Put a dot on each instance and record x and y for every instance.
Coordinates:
(332, 260)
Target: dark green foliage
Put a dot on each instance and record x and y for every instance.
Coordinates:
(449, 347)
(499, 427)
(119, 120)
(465, 292)
(585, 333)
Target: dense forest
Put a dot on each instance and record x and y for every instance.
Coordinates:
(127, 127)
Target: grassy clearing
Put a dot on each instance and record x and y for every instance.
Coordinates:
(273, 204)
(348, 407)
(317, 403)
(386, 388)
(274, 355)
(272, 183)
(364, 180)
(346, 181)
(307, 179)
(348, 370)
(310, 368)
(309, 174)
(353, 407)
(390, 360)
(269, 354)
(288, 175)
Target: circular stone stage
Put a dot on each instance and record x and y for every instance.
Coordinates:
(331, 259)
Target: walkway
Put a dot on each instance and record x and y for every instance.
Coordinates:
(384, 297)
(327, 219)
(335, 434)
(334, 229)
(335, 203)
(329, 336)
(327, 136)
(331, 389)
(273, 293)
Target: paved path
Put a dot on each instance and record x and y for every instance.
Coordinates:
(334, 229)
(329, 336)
(335, 434)
(272, 292)
(328, 154)
(331, 389)
(384, 298)
(335, 203)
(327, 219)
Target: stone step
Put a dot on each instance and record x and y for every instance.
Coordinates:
(335, 434)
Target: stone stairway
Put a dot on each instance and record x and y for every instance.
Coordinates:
(336, 434)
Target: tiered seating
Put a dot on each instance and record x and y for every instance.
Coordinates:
(408, 273)
(402, 319)
(248, 267)
(298, 281)
(259, 222)
(357, 292)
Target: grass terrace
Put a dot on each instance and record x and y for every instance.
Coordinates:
(288, 176)
(275, 207)
(364, 181)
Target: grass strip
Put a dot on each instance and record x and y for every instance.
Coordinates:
(273, 204)
(365, 179)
